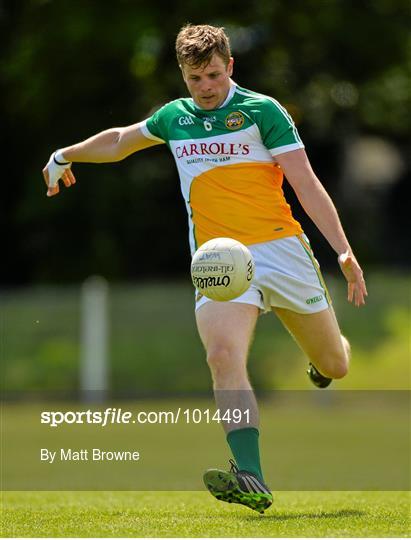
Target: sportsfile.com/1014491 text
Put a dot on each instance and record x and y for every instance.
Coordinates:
(112, 415)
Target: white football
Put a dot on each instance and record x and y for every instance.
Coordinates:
(222, 269)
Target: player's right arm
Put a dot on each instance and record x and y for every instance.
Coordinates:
(108, 146)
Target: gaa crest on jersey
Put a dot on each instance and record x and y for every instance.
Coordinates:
(234, 120)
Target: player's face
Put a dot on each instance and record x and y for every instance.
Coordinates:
(210, 84)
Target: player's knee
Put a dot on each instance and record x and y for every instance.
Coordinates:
(336, 363)
(222, 361)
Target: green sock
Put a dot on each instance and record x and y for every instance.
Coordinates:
(244, 446)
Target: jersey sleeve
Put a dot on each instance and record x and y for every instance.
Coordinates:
(155, 127)
(278, 130)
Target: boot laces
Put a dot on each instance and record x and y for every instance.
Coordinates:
(233, 469)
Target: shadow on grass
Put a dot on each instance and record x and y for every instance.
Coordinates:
(310, 515)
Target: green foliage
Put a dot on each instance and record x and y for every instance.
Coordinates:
(73, 68)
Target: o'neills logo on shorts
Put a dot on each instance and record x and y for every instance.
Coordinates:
(212, 149)
(234, 120)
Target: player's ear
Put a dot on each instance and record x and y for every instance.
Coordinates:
(182, 71)
(230, 66)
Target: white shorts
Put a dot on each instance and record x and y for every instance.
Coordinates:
(287, 275)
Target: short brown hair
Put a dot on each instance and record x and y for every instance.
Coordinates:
(196, 44)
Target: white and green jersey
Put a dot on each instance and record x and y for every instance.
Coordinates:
(225, 158)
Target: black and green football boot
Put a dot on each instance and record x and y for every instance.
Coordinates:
(316, 378)
(241, 487)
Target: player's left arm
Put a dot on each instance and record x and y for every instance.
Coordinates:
(320, 208)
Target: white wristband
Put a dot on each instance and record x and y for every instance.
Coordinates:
(59, 159)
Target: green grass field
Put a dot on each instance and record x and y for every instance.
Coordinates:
(197, 514)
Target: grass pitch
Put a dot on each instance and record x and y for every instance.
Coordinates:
(197, 514)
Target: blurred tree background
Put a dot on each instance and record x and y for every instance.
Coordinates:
(71, 68)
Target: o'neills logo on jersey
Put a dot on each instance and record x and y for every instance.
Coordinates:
(234, 120)
(212, 149)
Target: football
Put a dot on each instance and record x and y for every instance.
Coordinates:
(222, 269)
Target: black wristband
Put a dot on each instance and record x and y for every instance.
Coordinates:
(58, 162)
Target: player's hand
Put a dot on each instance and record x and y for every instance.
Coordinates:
(357, 291)
(56, 170)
